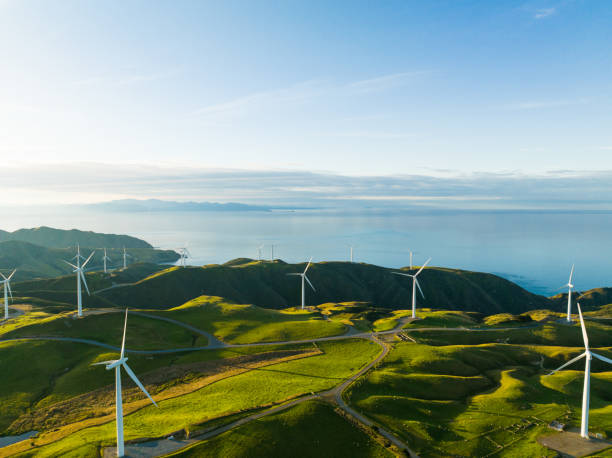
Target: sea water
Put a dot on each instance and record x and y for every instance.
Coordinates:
(534, 249)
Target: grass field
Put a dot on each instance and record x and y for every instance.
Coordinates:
(476, 400)
(547, 334)
(143, 333)
(245, 391)
(234, 323)
(311, 429)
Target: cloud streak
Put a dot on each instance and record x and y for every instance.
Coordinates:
(302, 92)
(562, 189)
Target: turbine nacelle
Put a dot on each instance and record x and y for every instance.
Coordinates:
(115, 363)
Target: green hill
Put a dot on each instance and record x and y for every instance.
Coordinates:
(267, 284)
(36, 261)
(59, 238)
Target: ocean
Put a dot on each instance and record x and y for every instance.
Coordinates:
(534, 249)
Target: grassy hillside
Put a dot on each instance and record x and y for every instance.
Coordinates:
(248, 390)
(267, 284)
(301, 431)
(59, 238)
(464, 400)
(35, 261)
(234, 323)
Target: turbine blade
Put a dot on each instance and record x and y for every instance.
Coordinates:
(124, 329)
(293, 274)
(101, 363)
(12, 273)
(84, 281)
(399, 273)
(306, 278)
(137, 382)
(584, 333)
(603, 358)
(10, 291)
(571, 361)
(571, 275)
(70, 264)
(5, 279)
(416, 280)
(88, 259)
(308, 265)
(422, 267)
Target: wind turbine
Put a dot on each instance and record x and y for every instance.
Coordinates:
(259, 248)
(105, 258)
(80, 276)
(351, 247)
(184, 252)
(411, 260)
(7, 290)
(125, 256)
(117, 364)
(570, 286)
(272, 251)
(415, 285)
(304, 277)
(588, 355)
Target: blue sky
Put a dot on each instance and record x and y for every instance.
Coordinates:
(435, 89)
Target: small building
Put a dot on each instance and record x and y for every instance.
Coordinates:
(557, 426)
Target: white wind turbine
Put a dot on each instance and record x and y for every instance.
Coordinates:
(125, 256)
(259, 248)
(6, 282)
(351, 247)
(415, 285)
(184, 252)
(588, 355)
(80, 276)
(570, 286)
(117, 364)
(304, 277)
(105, 258)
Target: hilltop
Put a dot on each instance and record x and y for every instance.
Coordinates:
(60, 238)
(266, 284)
(42, 252)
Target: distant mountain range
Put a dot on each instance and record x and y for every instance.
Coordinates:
(150, 205)
(41, 252)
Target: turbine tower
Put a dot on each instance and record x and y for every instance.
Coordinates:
(6, 282)
(588, 355)
(272, 252)
(305, 278)
(184, 252)
(411, 260)
(259, 248)
(117, 364)
(570, 286)
(415, 285)
(125, 256)
(351, 247)
(105, 258)
(78, 269)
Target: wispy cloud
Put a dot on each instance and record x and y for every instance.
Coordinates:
(385, 82)
(302, 92)
(540, 104)
(59, 183)
(126, 79)
(376, 135)
(544, 13)
(242, 105)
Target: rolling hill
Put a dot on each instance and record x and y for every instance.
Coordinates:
(59, 238)
(42, 252)
(266, 284)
